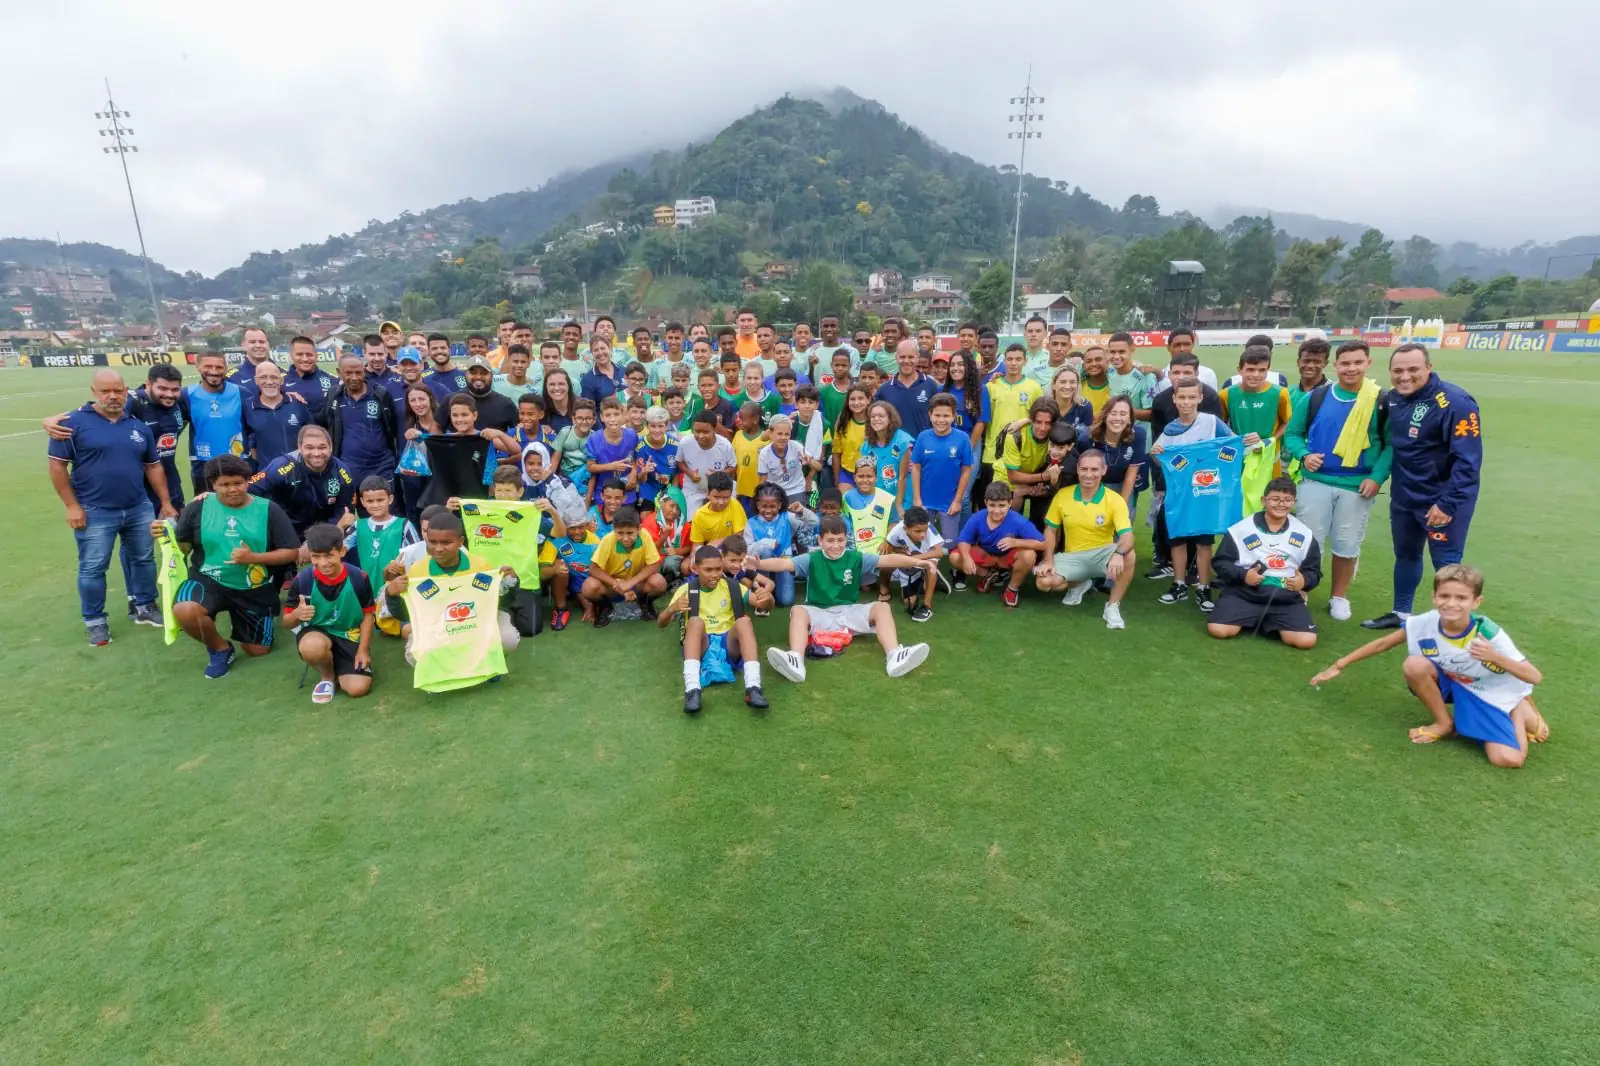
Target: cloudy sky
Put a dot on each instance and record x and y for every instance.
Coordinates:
(264, 125)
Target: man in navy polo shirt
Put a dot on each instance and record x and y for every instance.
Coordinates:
(257, 350)
(909, 391)
(100, 474)
(442, 376)
(272, 419)
(305, 380)
(361, 420)
(379, 374)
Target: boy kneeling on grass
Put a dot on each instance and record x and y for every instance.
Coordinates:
(834, 574)
(716, 631)
(1456, 656)
(1000, 543)
(625, 566)
(332, 605)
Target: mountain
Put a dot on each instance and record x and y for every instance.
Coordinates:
(1300, 226)
(125, 269)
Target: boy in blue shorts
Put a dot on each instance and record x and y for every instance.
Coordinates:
(1455, 656)
(712, 611)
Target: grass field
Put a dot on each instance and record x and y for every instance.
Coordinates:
(1053, 844)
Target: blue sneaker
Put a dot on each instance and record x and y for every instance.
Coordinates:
(220, 661)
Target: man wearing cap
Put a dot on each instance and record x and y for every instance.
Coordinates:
(362, 423)
(393, 336)
(494, 410)
(442, 377)
(909, 391)
(408, 364)
(379, 375)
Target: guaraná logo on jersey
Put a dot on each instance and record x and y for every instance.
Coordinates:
(488, 531)
(1206, 482)
(461, 611)
(167, 442)
(1277, 562)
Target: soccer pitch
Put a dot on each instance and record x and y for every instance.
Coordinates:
(1052, 844)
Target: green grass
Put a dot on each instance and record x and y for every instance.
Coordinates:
(1053, 844)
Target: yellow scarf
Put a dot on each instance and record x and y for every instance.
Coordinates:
(1353, 438)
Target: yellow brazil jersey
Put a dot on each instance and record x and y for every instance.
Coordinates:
(1097, 396)
(1007, 404)
(1088, 524)
(622, 562)
(1021, 451)
(847, 445)
(709, 526)
(716, 606)
(747, 451)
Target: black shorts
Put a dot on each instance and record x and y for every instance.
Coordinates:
(251, 612)
(344, 652)
(1287, 613)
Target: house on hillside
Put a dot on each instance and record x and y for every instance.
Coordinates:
(773, 270)
(881, 304)
(665, 216)
(1058, 309)
(939, 282)
(688, 212)
(933, 303)
(525, 279)
(880, 282)
(1395, 297)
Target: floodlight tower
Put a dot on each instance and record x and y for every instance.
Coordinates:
(1029, 118)
(120, 147)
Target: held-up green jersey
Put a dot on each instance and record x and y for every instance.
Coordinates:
(504, 533)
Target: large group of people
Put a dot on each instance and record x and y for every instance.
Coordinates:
(714, 475)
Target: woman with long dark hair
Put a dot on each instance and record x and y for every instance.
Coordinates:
(558, 397)
(412, 471)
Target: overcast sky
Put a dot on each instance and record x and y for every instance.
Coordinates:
(266, 125)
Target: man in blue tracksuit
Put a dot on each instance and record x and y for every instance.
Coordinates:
(1436, 436)
(361, 420)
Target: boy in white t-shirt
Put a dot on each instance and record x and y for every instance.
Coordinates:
(1455, 656)
(915, 535)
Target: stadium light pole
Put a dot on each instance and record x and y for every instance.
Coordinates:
(120, 147)
(1029, 118)
(1569, 255)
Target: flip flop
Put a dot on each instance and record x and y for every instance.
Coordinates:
(323, 692)
(1420, 735)
(1543, 734)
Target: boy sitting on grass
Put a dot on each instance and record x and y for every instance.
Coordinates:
(715, 627)
(332, 605)
(1000, 543)
(834, 574)
(719, 517)
(1456, 656)
(625, 566)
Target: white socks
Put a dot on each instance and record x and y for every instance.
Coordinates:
(752, 674)
(691, 674)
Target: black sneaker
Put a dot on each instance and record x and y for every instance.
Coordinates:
(921, 613)
(691, 701)
(959, 582)
(148, 615)
(752, 696)
(602, 614)
(1176, 594)
(1159, 571)
(99, 633)
(1392, 620)
(1202, 598)
(647, 608)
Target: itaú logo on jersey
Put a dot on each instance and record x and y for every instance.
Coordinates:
(1206, 482)
(489, 531)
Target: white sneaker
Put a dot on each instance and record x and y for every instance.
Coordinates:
(787, 663)
(1075, 594)
(1339, 609)
(905, 659)
(1113, 616)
